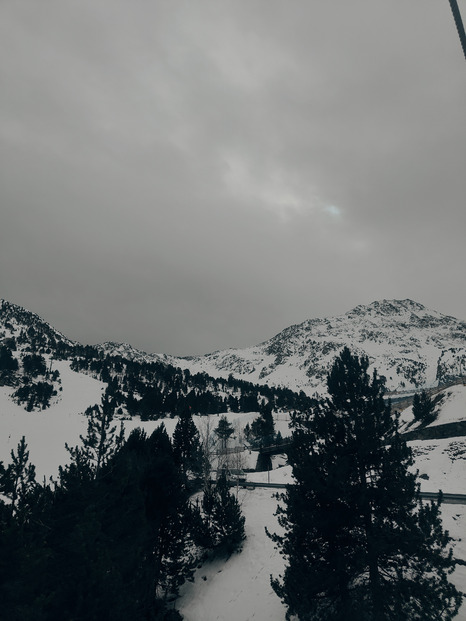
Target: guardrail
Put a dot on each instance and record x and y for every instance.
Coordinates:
(448, 499)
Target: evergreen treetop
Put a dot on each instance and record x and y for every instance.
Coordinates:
(101, 442)
(187, 447)
(224, 430)
(423, 406)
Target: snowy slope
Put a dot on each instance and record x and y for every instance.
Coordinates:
(451, 408)
(441, 464)
(21, 324)
(46, 432)
(239, 590)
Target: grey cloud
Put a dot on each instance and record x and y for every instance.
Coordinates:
(167, 169)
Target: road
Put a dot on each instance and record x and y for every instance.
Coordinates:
(449, 499)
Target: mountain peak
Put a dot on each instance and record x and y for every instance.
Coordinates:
(28, 327)
(389, 307)
(125, 350)
(410, 345)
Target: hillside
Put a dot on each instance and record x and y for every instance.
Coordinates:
(24, 330)
(141, 384)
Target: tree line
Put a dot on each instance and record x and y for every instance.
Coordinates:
(152, 390)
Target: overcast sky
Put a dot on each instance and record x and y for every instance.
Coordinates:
(192, 175)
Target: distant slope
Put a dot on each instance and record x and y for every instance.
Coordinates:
(407, 343)
(148, 385)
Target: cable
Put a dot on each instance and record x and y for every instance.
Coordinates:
(459, 24)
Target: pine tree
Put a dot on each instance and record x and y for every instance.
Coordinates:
(24, 508)
(108, 544)
(186, 446)
(34, 365)
(101, 442)
(224, 431)
(423, 406)
(7, 361)
(18, 481)
(358, 542)
(263, 427)
(217, 523)
(227, 520)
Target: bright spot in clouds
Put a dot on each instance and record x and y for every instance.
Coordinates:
(269, 189)
(333, 210)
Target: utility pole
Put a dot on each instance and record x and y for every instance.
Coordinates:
(459, 24)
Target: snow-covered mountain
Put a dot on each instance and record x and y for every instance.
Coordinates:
(410, 345)
(142, 384)
(22, 328)
(128, 352)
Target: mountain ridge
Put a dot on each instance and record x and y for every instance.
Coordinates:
(411, 345)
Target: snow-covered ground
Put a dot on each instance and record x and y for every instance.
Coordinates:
(239, 589)
(46, 432)
(451, 409)
(441, 464)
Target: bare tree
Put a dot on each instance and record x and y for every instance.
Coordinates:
(208, 447)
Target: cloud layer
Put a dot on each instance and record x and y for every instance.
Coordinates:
(193, 176)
